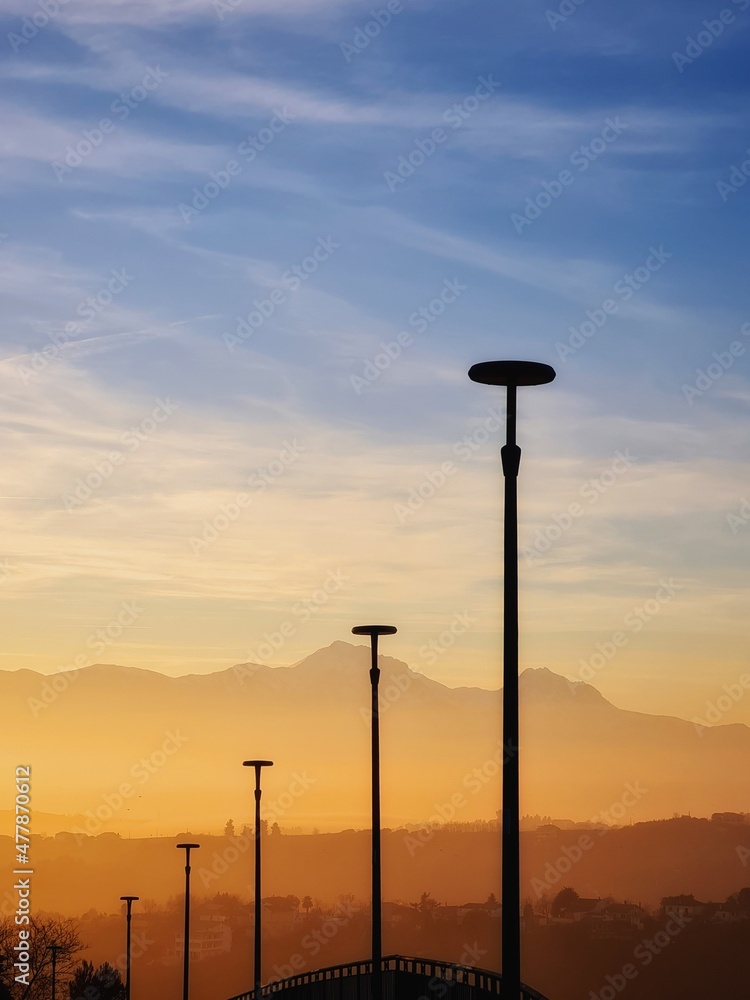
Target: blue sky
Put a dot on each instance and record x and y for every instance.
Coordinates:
(584, 126)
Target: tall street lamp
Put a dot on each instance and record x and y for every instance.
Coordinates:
(54, 948)
(258, 765)
(187, 848)
(374, 631)
(129, 900)
(511, 374)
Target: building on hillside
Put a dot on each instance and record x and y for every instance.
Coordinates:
(470, 909)
(578, 910)
(677, 907)
(210, 936)
(618, 920)
(280, 914)
(547, 832)
(731, 819)
(399, 914)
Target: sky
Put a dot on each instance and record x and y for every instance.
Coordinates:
(250, 251)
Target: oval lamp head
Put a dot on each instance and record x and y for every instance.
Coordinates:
(189, 845)
(257, 763)
(512, 373)
(374, 630)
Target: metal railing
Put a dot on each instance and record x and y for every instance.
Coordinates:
(402, 978)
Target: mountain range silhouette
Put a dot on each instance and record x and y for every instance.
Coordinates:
(88, 732)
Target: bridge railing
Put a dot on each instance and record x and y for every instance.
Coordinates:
(352, 981)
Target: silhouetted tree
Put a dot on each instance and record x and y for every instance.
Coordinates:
(43, 931)
(565, 898)
(229, 828)
(104, 983)
(5, 993)
(307, 905)
(741, 898)
(426, 907)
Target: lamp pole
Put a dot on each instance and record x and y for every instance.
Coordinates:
(258, 765)
(54, 948)
(511, 374)
(187, 848)
(374, 631)
(129, 900)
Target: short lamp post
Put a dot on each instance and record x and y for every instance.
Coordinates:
(375, 631)
(54, 948)
(258, 765)
(187, 848)
(129, 900)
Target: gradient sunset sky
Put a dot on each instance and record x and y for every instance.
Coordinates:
(171, 167)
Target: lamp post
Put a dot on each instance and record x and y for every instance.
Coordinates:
(258, 765)
(187, 848)
(129, 900)
(374, 631)
(511, 374)
(54, 948)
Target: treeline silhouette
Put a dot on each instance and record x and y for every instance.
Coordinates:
(643, 863)
(571, 948)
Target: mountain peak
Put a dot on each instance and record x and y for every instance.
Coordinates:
(345, 657)
(543, 684)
